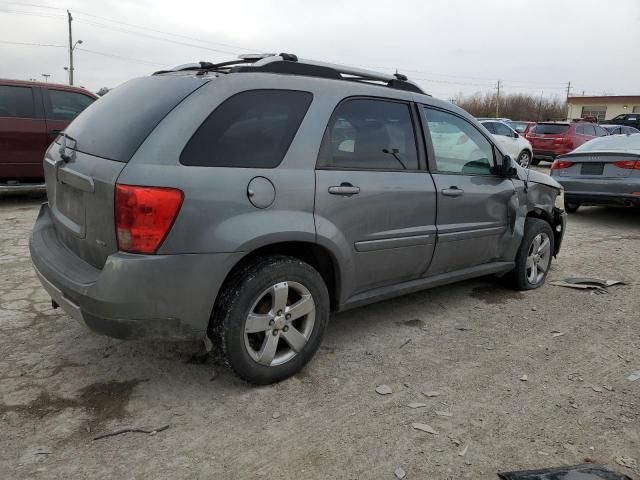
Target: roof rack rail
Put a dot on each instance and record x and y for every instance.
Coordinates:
(289, 63)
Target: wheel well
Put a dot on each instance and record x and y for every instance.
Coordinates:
(542, 215)
(315, 255)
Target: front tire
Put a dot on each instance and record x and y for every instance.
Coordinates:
(533, 260)
(270, 318)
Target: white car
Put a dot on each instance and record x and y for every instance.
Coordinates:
(512, 143)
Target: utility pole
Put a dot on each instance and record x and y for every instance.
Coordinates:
(46, 77)
(498, 99)
(568, 93)
(70, 19)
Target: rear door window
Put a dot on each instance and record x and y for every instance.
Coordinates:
(601, 132)
(369, 134)
(588, 130)
(252, 129)
(65, 105)
(16, 102)
(503, 130)
(491, 126)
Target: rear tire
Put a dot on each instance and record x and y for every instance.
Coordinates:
(270, 318)
(533, 260)
(524, 159)
(571, 207)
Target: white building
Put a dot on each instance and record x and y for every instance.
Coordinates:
(605, 108)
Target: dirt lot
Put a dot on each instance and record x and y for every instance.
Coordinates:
(472, 343)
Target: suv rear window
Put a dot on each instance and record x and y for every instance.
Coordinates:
(16, 102)
(252, 129)
(550, 128)
(117, 124)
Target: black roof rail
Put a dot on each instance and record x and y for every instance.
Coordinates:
(288, 63)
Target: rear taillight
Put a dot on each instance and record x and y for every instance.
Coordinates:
(144, 216)
(562, 141)
(560, 164)
(628, 164)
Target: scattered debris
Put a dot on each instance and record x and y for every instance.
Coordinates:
(463, 452)
(534, 309)
(431, 394)
(42, 451)
(586, 471)
(575, 377)
(456, 441)
(407, 341)
(424, 428)
(609, 387)
(399, 473)
(584, 283)
(416, 405)
(544, 454)
(524, 378)
(627, 462)
(556, 333)
(442, 413)
(276, 415)
(384, 390)
(464, 329)
(132, 430)
(634, 376)
(597, 389)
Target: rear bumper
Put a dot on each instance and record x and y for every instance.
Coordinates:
(22, 187)
(132, 296)
(545, 155)
(587, 198)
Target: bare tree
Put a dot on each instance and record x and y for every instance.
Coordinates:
(516, 106)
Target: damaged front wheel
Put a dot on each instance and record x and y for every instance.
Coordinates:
(533, 260)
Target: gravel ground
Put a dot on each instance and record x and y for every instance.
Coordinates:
(470, 345)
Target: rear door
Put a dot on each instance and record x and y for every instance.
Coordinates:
(23, 138)
(61, 107)
(473, 203)
(507, 140)
(373, 198)
(82, 167)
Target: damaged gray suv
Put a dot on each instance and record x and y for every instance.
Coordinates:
(242, 202)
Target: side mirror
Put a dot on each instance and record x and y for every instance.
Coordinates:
(507, 169)
(516, 134)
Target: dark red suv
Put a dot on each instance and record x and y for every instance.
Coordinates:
(31, 116)
(550, 139)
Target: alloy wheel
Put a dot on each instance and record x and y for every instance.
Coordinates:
(524, 159)
(279, 323)
(538, 258)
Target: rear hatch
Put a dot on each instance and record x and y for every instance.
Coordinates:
(548, 136)
(83, 164)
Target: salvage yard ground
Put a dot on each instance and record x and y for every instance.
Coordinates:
(516, 380)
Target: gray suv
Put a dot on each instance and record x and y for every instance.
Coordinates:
(244, 201)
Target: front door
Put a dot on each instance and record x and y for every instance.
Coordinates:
(474, 204)
(374, 201)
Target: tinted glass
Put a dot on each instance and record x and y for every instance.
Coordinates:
(550, 128)
(588, 130)
(458, 146)
(600, 131)
(503, 130)
(617, 143)
(16, 102)
(249, 130)
(67, 105)
(491, 126)
(116, 126)
(368, 135)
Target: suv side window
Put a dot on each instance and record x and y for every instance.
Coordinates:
(458, 146)
(601, 132)
(491, 126)
(589, 130)
(251, 129)
(16, 102)
(369, 134)
(503, 130)
(66, 105)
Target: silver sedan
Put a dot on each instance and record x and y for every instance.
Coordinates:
(603, 171)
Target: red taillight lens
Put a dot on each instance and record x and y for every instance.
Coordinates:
(559, 164)
(144, 216)
(627, 164)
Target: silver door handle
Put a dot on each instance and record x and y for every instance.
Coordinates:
(345, 189)
(452, 192)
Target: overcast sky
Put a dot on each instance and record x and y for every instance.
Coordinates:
(447, 46)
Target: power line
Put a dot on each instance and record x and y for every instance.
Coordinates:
(31, 44)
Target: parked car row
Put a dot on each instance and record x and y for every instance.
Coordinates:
(32, 114)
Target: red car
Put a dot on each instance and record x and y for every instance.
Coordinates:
(550, 139)
(32, 114)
